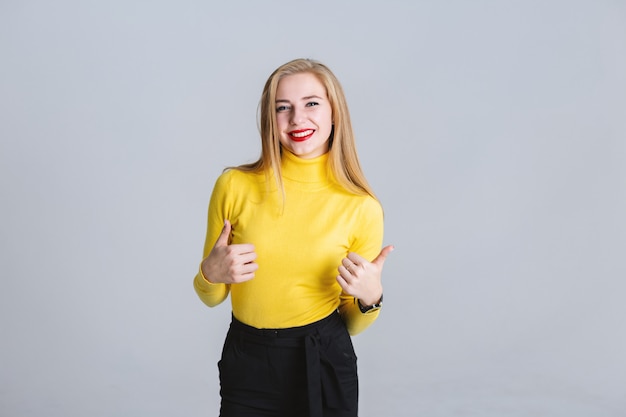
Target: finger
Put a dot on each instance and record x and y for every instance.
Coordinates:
(345, 273)
(242, 278)
(246, 272)
(248, 268)
(343, 284)
(382, 256)
(237, 269)
(241, 249)
(247, 258)
(222, 239)
(348, 264)
(356, 259)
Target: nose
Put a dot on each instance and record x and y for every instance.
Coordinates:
(295, 117)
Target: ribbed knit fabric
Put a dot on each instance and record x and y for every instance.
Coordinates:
(300, 242)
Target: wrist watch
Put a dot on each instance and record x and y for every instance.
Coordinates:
(374, 307)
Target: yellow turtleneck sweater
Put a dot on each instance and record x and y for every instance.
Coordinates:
(299, 244)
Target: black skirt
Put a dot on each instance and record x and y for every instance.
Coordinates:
(295, 372)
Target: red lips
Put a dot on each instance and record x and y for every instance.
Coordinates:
(301, 135)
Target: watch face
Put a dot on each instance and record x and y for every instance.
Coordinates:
(372, 310)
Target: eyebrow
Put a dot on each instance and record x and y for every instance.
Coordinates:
(303, 98)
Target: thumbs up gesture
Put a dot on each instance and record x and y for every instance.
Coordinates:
(229, 264)
(362, 279)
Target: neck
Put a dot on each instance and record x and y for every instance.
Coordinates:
(314, 170)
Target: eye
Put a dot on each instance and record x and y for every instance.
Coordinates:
(280, 109)
(312, 103)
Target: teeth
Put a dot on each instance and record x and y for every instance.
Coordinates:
(302, 134)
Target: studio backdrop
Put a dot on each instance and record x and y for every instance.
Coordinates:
(493, 133)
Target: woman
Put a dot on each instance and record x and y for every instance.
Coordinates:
(295, 239)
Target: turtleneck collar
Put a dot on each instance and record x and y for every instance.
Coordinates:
(312, 171)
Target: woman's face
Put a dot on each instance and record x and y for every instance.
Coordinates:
(304, 115)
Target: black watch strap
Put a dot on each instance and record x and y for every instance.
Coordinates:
(375, 306)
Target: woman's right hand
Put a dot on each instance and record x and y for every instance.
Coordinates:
(229, 264)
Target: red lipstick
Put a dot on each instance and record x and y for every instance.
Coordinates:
(301, 135)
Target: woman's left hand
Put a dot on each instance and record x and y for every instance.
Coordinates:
(362, 279)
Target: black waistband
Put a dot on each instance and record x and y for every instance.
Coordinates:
(292, 334)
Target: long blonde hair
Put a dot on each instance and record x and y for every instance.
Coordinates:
(343, 160)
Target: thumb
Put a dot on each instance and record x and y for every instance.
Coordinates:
(382, 256)
(222, 239)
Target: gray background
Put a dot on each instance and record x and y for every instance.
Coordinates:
(493, 132)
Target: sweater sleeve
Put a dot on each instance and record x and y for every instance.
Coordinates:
(214, 294)
(367, 242)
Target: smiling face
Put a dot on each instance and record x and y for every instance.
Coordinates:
(303, 115)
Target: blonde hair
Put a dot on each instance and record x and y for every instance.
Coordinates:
(343, 161)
